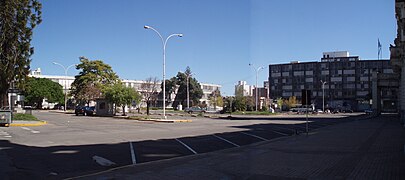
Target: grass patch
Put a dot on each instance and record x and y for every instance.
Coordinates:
(24, 117)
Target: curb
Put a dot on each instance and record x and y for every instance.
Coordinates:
(28, 124)
(165, 121)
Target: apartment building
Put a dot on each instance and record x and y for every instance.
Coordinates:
(247, 90)
(347, 80)
(397, 56)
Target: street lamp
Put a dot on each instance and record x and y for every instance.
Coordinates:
(164, 42)
(188, 89)
(323, 95)
(65, 78)
(257, 74)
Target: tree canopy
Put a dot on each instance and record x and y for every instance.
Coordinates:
(216, 99)
(18, 18)
(121, 95)
(88, 84)
(38, 89)
(291, 102)
(195, 90)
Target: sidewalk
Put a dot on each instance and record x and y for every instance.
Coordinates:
(364, 149)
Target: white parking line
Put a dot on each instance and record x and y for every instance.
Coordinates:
(5, 134)
(226, 140)
(132, 153)
(185, 145)
(258, 137)
(32, 131)
(25, 128)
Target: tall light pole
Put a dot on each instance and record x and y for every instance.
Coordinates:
(188, 89)
(257, 74)
(65, 79)
(323, 95)
(164, 42)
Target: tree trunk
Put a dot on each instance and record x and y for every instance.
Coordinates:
(3, 100)
(123, 110)
(39, 104)
(147, 107)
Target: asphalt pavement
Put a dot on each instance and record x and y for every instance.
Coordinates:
(370, 148)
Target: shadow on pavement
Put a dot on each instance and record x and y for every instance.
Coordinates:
(58, 162)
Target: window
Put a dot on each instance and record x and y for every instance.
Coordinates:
(298, 73)
(351, 79)
(325, 72)
(352, 71)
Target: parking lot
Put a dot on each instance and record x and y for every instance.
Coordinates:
(72, 145)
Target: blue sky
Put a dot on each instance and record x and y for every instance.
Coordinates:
(221, 37)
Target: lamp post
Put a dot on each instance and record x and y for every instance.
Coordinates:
(65, 79)
(164, 42)
(323, 95)
(188, 89)
(257, 74)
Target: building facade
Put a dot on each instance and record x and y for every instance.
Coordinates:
(66, 82)
(247, 90)
(397, 56)
(347, 80)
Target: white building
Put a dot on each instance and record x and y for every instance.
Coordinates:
(247, 89)
(207, 91)
(66, 82)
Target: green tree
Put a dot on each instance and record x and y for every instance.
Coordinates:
(195, 90)
(291, 102)
(280, 102)
(239, 102)
(121, 95)
(250, 103)
(171, 87)
(18, 18)
(229, 103)
(38, 89)
(94, 75)
(216, 99)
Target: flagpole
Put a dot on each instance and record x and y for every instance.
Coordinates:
(379, 49)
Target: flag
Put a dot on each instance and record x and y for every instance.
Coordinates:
(379, 49)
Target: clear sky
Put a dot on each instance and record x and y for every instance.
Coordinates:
(221, 37)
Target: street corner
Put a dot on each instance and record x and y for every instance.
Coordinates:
(28, 123)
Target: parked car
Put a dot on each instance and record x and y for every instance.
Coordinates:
(194, 109)
(85, 110)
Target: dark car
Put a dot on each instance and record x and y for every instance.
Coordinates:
(85, 110)
(194, 109)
